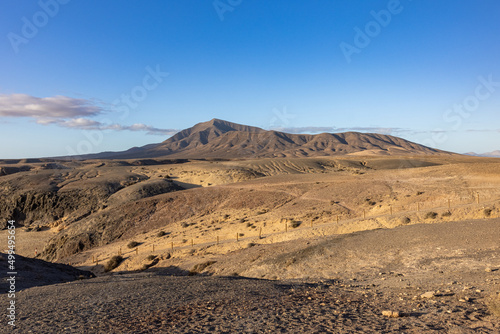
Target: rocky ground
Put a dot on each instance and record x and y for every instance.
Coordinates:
(426, 278)
(153, 303)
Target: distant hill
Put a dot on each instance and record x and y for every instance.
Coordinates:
(221, 139)
(494, 154)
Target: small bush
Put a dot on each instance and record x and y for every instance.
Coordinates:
(151, 257)
(405, 220)
(446, 214)
(295, 223)
(487, 212)
(201, 266)
(431, 215)
(419, 193)
(241, 234)
(132, 244)
(161, 234)
(251, 244)
(113, 263)
(249, 224)
(184, 224)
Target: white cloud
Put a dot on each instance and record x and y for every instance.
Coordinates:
(66, 112)
(23, 105)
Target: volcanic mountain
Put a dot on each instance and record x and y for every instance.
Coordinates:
(221, 139)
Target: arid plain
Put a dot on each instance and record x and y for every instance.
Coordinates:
(390, 240)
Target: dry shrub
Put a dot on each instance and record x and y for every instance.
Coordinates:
(446, 214)
(113, 263)
(132, 244)
(431, 215)
(295, 223)
(405, 220)
(487, 212)
(200, 267)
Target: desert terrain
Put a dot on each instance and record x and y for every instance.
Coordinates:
(327, 243)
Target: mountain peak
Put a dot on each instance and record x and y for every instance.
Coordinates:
(217, 138)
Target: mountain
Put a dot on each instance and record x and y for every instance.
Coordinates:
(494, 154)
(221, 139)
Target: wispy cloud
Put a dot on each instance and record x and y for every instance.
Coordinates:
(321, 129)
(67, 112)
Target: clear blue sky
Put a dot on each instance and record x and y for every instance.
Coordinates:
(92, 76)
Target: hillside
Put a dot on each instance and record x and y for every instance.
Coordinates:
(221, 139)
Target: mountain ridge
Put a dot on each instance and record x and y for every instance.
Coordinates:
(225, 140)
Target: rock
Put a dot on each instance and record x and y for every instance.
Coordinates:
(391, 314)
(428, 294)
(488, 270)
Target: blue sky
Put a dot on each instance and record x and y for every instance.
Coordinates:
(90, 76)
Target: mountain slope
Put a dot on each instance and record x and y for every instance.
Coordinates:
(221, 139)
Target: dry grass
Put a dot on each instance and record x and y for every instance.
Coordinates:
(494, 305)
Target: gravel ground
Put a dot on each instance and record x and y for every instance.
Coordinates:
(152, 303)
